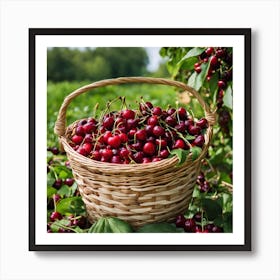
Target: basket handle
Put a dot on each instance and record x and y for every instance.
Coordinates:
(60, 124)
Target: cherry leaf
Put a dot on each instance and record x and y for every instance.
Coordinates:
(181, 155)
(196, 151)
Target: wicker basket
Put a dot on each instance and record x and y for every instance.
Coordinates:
(136, 193)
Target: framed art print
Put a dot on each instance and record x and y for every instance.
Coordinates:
(140, 139)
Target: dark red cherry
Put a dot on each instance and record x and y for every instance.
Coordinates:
(55, 216)
(202, 123)
(180, 221)
(149, 148)
(209, 51)
(199, 141)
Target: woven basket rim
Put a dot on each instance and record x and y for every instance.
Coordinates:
(61, 130)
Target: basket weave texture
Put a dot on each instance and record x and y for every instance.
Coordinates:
(137, 193)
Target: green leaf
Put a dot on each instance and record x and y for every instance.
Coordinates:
(56, 225)
(192, 79)
(227, 226)
(110, 225)
(98, 226)
(188, 64)
(228, 97)
(118, 225)
(196, 151)
(196, 192)
(62, 171)
(160, 228)
(50, 179)
(219, 221)
(71, 205)
(64, 191)
(212, 208)
(213, 87)
(192, 52)
(50, 191)
(181, 155)
(49, 156)
(189, 137)
(197, 80)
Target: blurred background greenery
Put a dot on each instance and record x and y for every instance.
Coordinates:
(92, 64)
(71, 68)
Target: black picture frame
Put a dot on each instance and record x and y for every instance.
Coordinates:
(35, 32)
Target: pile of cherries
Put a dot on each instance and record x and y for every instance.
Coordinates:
(145, 135)
(194, 224)
(220, 62)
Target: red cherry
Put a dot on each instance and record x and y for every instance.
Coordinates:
(82, 122)
(164, 153)
(80, 131)
(138, 157)
(141, 134)
(179, 144)
(149, 129)
(196, 65)
(197, 69)
(209, 51)
(220, 53)
(108, 122)
(116, 159)
(106, 136)
(88, 138)
(137, 146)
(189, 225)
(189, 123)
(131, 133)
(194, 130)
(96, 155)
(146, 160)
(181, 127)
(87, 147)
(202, 123)
(114, 141)
(77, 139)
(55, 216)
(123, 137)
(213, 61)
(57, 197)
(153, 120)
(106, 154)
(182, 112)
(88, 127)
(132, 123)
(128, 114)
(171, 121)
(69, 181)
(124, 152)
(144, 107)
(157, 111)
(221, 84)
(199, 141)
(180, 221)
(158, 131)
(161, 143)
(82, 151)
(149, 149)
(171, 111)
(92, 120)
